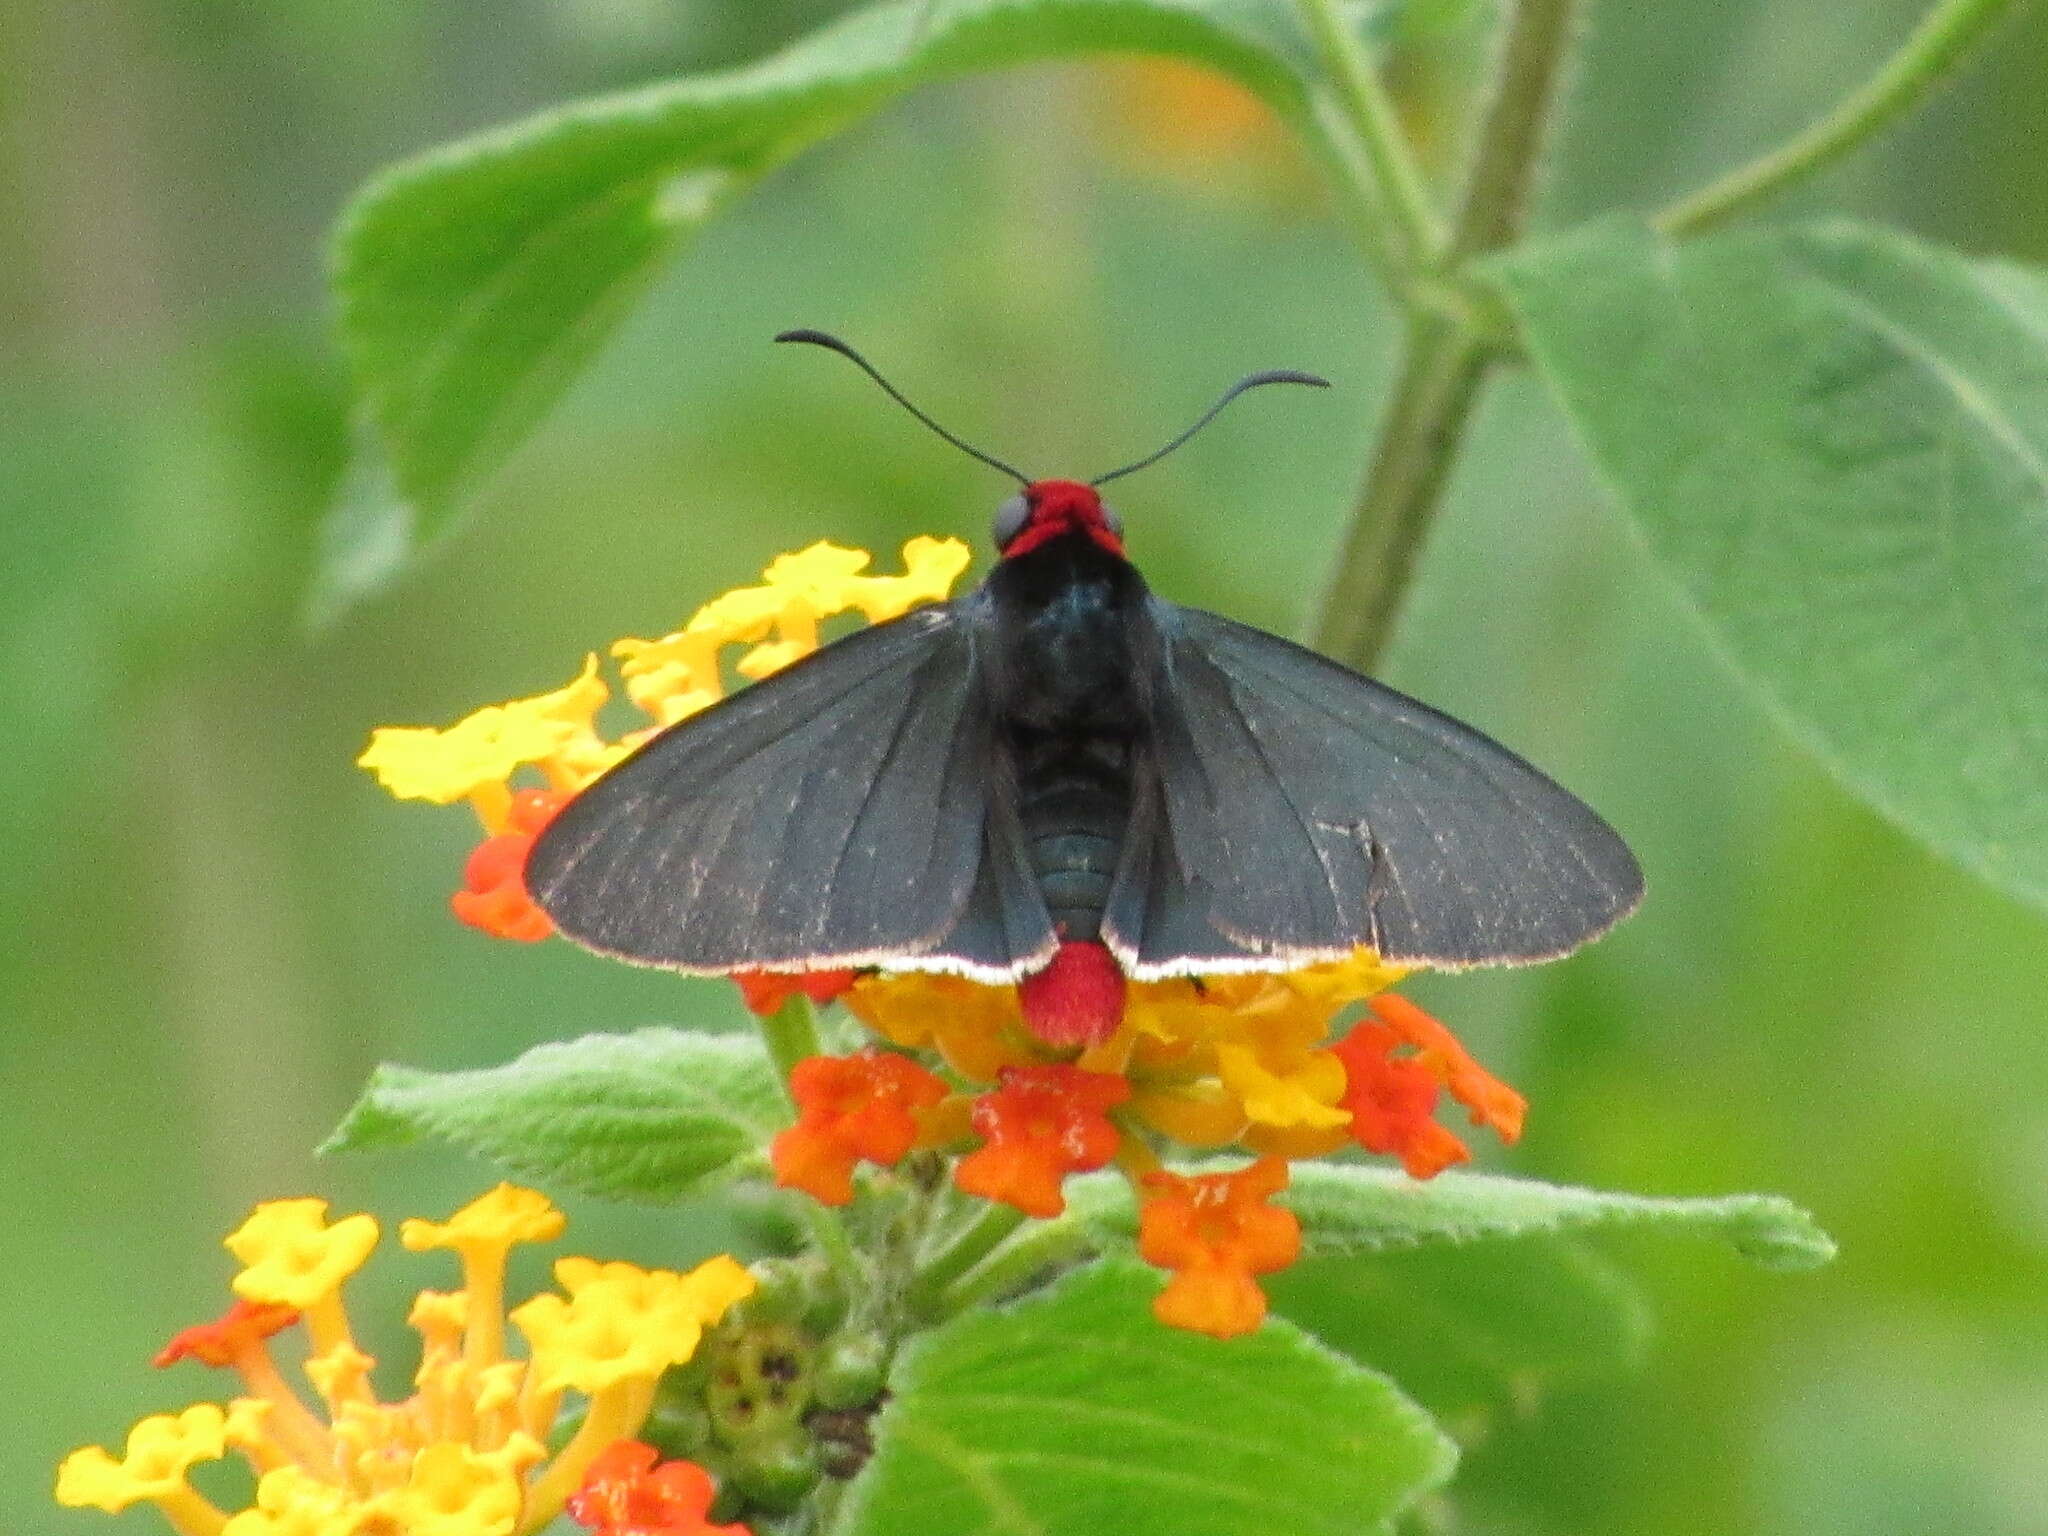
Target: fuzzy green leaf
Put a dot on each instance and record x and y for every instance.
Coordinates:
(647, 1117)
(1836, 439)
(1073, 1413)
(1472, 1331)
(475, 279)
(1353, 1208)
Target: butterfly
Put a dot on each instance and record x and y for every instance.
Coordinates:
(1064, 781)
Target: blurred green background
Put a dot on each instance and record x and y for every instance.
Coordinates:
(212, 925)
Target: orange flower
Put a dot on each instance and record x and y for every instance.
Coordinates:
(1040, 1125)
(850, 1109)
(626, 1494)
(1492, 1103)
(494, 895)
(764, 992)
(1215, 1231)
(232, 1337)
(1393, 1098)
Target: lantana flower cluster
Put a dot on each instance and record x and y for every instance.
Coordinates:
(467, 1452)
(518, 763)
(1275, 1067)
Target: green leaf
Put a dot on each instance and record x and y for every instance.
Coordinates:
(1352, 1208)
(1075, 1413)
(1836, 439)
(648, 1116)
(475, 279)
(1471, 1331)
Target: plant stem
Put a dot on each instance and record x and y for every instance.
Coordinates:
(791, 1034)
(1926, 59)
(1441, 366)
(1046, 1244)
(975, 1242)
(1413, 235)
(1446, 356)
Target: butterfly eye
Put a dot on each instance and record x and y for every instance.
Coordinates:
(1111, 521)
(1011, 517)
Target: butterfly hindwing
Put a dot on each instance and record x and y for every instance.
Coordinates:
(834, 814)
(1303, 810)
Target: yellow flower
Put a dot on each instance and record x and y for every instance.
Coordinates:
(1302, 1091)
(619, 1329)
(293, 1258)
(674, 677)
(161, 1449)
(482, 1233)
(474, 758)
(620, 1322)
(979, 1030)
(457, 1491)
(465, 1455)
(1351, 980)
(292, 1502)
(491, 1223)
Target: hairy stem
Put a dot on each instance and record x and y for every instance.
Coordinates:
(973, 1243)
(791, 1034)
(1446, 354)
(1923, 62)
(1009, 1267)
(1409, 231)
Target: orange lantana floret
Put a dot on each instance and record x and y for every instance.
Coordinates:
(626, 1494)
(228, 1338)
(1393, 1098)
(1041, 1124)
(1492, 1103)
(494, 896)
(850, 1109)
(764, 992)
(1216, 1231)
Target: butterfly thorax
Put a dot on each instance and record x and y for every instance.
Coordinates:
(1067, 715)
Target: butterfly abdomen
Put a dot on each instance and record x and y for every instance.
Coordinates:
(1074, 807)
(1071, 718)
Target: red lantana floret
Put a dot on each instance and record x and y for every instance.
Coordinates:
(764, 992)
(1041, 1124)
(229, 1338)
(493, 895)
(1393, 1098)
(626, 1494)
(1215, 1231)
(850, 1109)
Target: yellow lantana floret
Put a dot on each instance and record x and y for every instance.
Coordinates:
(1303, 1091)
(474, 757)
(293, 1257)
(677, 675)
(622, 1323)
(504, 1216)
(457, 1491)
(161, 1450)
(292, 1502)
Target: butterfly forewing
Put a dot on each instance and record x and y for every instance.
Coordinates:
(1303, 810)
(832, 814)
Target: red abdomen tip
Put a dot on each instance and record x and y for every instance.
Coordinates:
(1076, 1000)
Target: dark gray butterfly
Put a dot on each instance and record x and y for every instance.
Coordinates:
(1062, 763)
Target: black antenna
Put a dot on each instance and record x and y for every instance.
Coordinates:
(833, 344)
(1254, 381)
